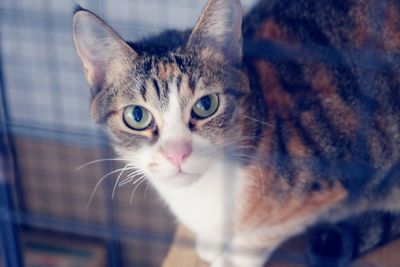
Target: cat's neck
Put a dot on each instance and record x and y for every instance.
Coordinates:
(206, 204)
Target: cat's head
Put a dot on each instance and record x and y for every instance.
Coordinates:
(172, 114)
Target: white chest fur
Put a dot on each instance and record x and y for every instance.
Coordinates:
(208, 205)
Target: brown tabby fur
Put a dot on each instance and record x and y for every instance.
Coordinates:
(314, 105)
(345, 119)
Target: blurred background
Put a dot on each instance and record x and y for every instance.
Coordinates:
(46, 135)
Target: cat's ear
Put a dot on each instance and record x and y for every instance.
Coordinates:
(218, 32)
(103, 53)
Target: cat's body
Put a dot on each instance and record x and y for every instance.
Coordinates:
(251, 148)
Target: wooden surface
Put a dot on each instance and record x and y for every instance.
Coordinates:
(182, 254)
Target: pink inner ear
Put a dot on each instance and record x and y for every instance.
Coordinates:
(88, 68)
(177, 151)
(98, 45)
(94, 69)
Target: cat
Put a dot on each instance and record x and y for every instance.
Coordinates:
(336, 245)
(254, 129)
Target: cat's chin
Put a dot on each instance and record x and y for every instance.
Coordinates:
(178, 180)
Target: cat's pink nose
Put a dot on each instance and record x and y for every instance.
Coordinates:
(177, 152)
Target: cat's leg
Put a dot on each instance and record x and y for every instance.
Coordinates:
(248, 251)
(238, 262)
(208, 249)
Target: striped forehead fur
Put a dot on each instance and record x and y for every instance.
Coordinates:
(158, 74)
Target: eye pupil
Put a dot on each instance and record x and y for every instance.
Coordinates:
(205, 103)
(205, 106)
(137, 114)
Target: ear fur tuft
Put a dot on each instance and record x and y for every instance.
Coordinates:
(218, 32)
(78, 8)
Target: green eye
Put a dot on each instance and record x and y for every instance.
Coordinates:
(206, 106)
(137, 117)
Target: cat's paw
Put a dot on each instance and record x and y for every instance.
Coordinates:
(238, 261)
(220, 262)
(207, 251)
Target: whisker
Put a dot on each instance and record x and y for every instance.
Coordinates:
(236, 140)
(100, 160)
(139, 182)
(132, 174)
(124, 182)
(129, 178)
(145, 191)
(99, 182)
(257, 120)
(117, 180)
(242, 156)
(243, 147)
(262, 183)
(138, 179)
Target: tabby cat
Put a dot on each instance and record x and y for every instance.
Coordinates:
(252, 133)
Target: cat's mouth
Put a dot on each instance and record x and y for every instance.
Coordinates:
(180, 178)
(185, 180)
(181, 174)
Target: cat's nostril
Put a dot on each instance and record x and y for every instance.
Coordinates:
(178, 159)
(177, 153)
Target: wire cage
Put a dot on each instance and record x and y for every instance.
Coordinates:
(60, 202)
(47, 137)
(47, 134)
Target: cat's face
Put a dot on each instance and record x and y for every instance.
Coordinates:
(174, 120)
(174, 115)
